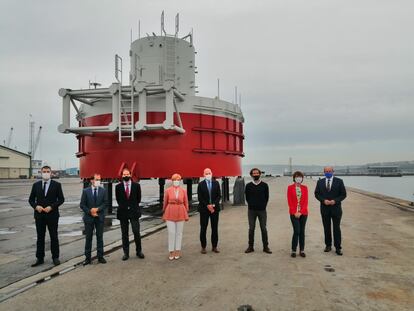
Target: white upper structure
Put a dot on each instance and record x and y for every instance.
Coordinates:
(156, 59)
(161, 79)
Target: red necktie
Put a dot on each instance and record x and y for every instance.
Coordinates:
(127, 191)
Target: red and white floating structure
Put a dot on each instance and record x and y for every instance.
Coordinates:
(155, 125)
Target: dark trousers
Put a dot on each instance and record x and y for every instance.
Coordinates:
(125, 234)
(298, 225)
(89, 227)
(262, 215)
(52, 226)
(204, 217)
(334, 218)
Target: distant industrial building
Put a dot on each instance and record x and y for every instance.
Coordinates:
(13, 163)
(384, 171)
(73, 171)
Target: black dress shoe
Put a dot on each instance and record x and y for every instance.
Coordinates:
(302, 254)
(339, 252)
(125, 257)
(56, 261)
(327, 249)
(267, 250)
(293, 255)
(249, 250)
(87, 262)
(38, 263)
(101, 260)
(141, 255)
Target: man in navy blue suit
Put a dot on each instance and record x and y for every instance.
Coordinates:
(209, 196)
(94, 204)
(330, 192)
(45, 198)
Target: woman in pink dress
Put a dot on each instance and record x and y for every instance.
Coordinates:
(175, 214)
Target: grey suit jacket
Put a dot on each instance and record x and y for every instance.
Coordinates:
(88, 202)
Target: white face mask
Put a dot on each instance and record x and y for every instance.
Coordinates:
(176, 183)
(298, 180)
(45, 176)
(97, 183)
(208, 176)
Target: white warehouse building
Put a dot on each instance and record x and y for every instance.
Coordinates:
(14, 164)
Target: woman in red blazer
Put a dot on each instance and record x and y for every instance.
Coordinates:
(297, 197)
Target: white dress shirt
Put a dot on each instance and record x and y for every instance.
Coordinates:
(93, 189)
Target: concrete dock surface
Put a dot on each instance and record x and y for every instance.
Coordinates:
(375, 273)
(18, 229)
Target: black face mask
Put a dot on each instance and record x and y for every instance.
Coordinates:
(256, 178)
(126, 178)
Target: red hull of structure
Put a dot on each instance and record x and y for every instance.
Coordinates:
(209, 141)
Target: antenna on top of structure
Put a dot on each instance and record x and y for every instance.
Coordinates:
(162, 24)
(177, 24)
(94, 84)
(235, 95)
(139, 29)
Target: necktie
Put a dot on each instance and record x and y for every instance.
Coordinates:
(127, 190)
(328, 186)
(44, 188)
(209, 189)
(95, 195)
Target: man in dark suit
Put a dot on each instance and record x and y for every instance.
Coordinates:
(209, 196)
(45, 198)
(94, 204)
(128, 196)
(330, 191)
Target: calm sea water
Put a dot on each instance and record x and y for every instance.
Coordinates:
(397, 187)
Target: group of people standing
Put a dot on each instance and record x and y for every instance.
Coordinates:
(330, 192)
(46, 197)
(176, 212)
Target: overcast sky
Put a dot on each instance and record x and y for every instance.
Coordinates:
(322, 81)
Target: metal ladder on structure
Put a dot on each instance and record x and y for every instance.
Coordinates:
(170, 59)
(125, 106)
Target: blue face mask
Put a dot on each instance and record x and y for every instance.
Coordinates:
(328, 175)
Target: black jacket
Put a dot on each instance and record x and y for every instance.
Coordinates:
(128, 208)
(337, 193)
(54, 198)
(257, 196)
(204, 197)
